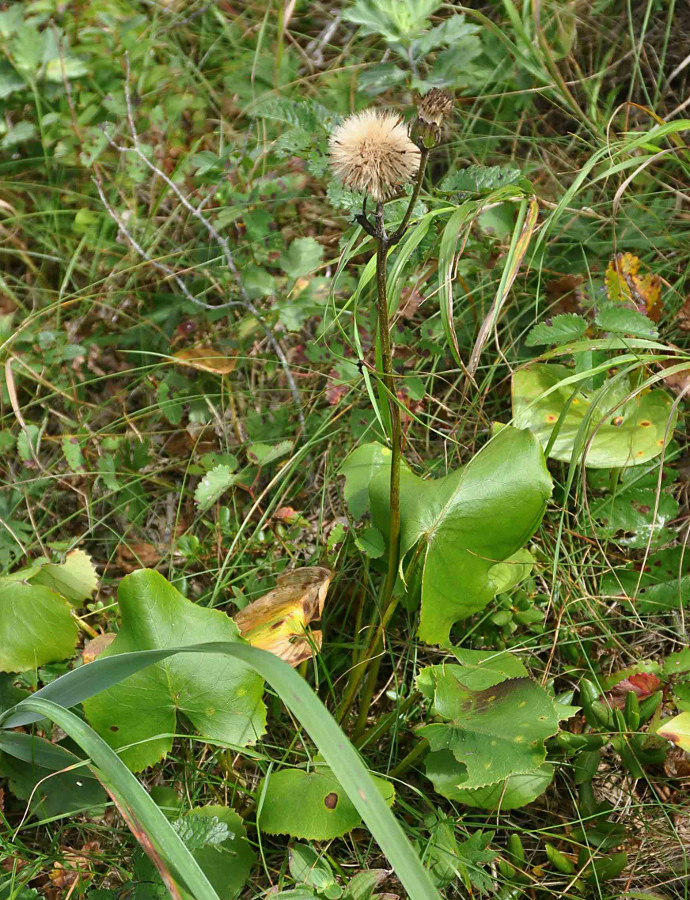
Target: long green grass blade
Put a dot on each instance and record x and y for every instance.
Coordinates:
(336, 749)
(116, 777)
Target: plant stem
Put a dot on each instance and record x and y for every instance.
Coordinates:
(399, 233)
(388, 379)
(408, 760)
(383, 243)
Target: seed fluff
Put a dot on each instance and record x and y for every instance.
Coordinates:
(372, 152)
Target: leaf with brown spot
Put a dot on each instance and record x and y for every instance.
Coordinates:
(311, 805)
(278, 621)
(206, 359)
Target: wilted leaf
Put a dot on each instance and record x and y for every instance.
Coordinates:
(135, 555)
(94, 647)
(221, 697)
(278, 621)
(624, 284)
(206, 359)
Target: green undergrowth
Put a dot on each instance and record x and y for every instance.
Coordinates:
(191, 411)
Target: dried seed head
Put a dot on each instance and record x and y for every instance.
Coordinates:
(372, 152)
(435, 106)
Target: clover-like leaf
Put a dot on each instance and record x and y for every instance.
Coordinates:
(213, 485)
(466, 522)
(617, 433)
(36, 626)
(495, 732)
(311, 805)
(221, 697)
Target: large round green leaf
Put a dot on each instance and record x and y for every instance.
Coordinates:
(310, 805)
(467, 522)
(220, 696)
(613, 433)
(36, 626)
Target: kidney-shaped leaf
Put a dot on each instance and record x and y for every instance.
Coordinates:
(621, 435)
(220, 696)
(36, 626)
(468, 521)
(311, 805)
(495, 732)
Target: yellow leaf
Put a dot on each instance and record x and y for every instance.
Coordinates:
(206, 359)
(677, 730)
(625, 285)
(278, 621)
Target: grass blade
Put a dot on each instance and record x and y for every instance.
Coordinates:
(336, 749)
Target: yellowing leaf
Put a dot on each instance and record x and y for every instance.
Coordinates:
(677, 730)
(625, 285)
(278, 621)
(206, 359)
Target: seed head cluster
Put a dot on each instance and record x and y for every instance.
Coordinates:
(435, 106)
(372, 152)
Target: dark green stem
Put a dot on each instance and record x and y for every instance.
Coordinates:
(373, 651)
(407, 761)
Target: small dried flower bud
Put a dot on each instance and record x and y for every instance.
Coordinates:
(372, 152)
(433, 108)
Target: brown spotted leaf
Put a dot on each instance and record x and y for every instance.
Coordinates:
(310, 805)
(492, 733)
